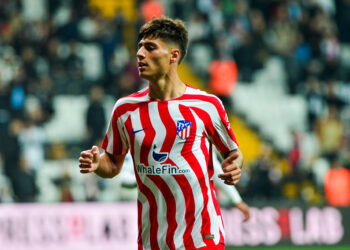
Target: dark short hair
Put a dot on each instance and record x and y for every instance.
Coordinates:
(168, 30)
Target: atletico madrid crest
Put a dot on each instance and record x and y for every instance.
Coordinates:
(183, 129)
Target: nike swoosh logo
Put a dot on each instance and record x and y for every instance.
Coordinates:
(136, 131)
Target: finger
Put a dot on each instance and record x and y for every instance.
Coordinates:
(225, 178)
(95, 153)
(85, 160)
(232, 183)
(230, 167)
(85, 171)
(95, 150)
(231, 180)
(230, 174)
(87, 154)
(85, 165)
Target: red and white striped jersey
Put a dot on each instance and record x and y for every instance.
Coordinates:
(171, 146)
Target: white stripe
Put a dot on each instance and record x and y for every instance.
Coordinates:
(139, 137)
(132, 100)
(121, 120)
(146, 224)
(176, 190)
(161, 213)
(160, 134)
(197, 151)
(219, 126)
(109, 147)
(110, 135)
(179, 216)
(192, 179)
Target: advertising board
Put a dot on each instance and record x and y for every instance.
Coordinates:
(113, 226)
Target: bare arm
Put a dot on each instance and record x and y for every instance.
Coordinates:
(231, 166)
(230, 192)
(105, 165)
(244, 208)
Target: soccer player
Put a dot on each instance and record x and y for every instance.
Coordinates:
(169, 128)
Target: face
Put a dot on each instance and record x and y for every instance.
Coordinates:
(154, 58)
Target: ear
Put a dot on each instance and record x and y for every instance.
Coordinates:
(174, 55)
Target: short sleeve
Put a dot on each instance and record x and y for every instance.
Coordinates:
(115, 141)
(221, 133)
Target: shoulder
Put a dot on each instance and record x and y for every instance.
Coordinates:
(136, 97)
(202, 96)
(131, 102)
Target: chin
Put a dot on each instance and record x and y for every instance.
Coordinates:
(144, 76)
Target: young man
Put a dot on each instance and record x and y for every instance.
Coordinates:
(169, 129)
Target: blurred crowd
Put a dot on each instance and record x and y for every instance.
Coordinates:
(60, 47)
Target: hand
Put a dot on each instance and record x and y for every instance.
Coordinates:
(89, 160)
(231, 169)
(244, 209)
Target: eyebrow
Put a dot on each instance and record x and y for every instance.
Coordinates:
(145, 43)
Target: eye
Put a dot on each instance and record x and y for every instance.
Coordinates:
(150, 47)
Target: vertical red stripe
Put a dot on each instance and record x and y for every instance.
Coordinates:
(117, 113)
(190, 210)
(208, 153)
(204, 116)
(219, 107)
(105, 142)
(117, 140)
(150, 133)
(191, 159)
(170, 208)
(153, 208)
(147, 145)
(147, 193)
(124, 105)
(180, 179)
(164, 188)
(128, 126)
(209, 159)
(139, 221)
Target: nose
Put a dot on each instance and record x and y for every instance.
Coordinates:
(140, 53)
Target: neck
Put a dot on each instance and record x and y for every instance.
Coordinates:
(166, 88)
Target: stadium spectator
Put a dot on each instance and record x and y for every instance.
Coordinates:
(151, 9)
(315, 101)
(337, 184)
(265, 177)
(95, 117)
(330, 131)
(64, 185)
(32, 139)
(223, 75)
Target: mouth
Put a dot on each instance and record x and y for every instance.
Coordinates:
(142, 65)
